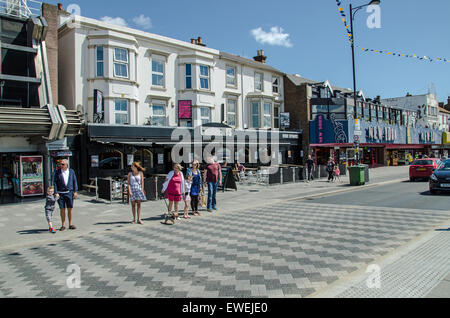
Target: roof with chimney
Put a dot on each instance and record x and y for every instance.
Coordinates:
(243, 60)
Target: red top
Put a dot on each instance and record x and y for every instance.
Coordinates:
(212, 172)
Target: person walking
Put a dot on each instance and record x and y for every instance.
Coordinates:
(330, 169)
(311, 167)
(50, 203)
(213, 177)
(174, 188)
(66, 186)
(136, 190)
(197, 186)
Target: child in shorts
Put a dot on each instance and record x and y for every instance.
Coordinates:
(50, 203)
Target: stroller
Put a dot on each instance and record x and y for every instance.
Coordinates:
(169, 214)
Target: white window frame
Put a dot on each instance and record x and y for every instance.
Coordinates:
(121, 112)
(204, 118)
(157, 103)
(276, 86)
(163, 74)
(257, 83)
(266, 116)
(252, 115)
(102, 61)
(228, 77)
(122, 62)
(203, 77)
(235, 113)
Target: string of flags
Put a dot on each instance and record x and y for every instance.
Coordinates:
(390, 53)
(343, 15)
(423, 58)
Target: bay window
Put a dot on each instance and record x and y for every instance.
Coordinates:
(205, 115)
(121, 63)
(100, 61)
(267, 120)
(255, 106)
(188, 73)
(121, 111)
(204, 77)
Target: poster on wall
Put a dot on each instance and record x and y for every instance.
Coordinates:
(184, 109)
(160, 159)
(130, 159)
(285, 120)
(94, 161)
(31, 176)
(98, 107)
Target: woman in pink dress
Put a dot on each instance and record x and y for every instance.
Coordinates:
(174, 188)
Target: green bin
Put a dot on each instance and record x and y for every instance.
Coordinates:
(357, 174)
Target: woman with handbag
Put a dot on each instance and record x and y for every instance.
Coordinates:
(136, 190)
(197, 186)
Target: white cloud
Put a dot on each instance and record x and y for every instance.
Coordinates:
(274, 37)
(117, 21)
(143, 22)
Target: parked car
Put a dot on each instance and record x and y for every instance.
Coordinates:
(423, 168)
(440, 179)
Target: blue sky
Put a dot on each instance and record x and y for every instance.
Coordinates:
(307, 37)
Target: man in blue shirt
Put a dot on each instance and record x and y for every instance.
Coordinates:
(66, 186)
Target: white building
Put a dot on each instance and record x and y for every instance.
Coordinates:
(427, 105)
(136, 88)
(143, 76)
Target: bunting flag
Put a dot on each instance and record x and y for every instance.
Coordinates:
(347, 26)
(414, 56)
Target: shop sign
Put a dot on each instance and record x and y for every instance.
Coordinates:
(321, 131)
(285, 120)
(380, 134)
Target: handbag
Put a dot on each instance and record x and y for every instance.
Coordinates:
(203, 200)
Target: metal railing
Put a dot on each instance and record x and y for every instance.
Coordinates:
(20, 8)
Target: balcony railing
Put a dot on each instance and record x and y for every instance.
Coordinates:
(20, 8)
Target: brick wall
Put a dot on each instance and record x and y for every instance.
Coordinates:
(297, 103)
(50, 13)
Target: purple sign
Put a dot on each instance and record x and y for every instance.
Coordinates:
(184, 109)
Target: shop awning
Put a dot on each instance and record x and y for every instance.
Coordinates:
(49, 122)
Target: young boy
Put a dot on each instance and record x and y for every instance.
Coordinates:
(50, 203)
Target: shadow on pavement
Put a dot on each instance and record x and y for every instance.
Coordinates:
(31, 232)
(443, 230)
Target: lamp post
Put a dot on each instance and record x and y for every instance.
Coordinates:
(352, 16)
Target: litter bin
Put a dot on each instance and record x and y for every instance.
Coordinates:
(357, 174)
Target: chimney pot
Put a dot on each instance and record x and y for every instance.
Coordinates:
(200, 39)
(60, 6)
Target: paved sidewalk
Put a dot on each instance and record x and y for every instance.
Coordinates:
(24, 224)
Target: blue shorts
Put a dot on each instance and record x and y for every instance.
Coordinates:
(65, 200)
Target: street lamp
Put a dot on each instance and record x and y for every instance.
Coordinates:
(352, 16)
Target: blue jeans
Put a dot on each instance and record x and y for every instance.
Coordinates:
(212, 191)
